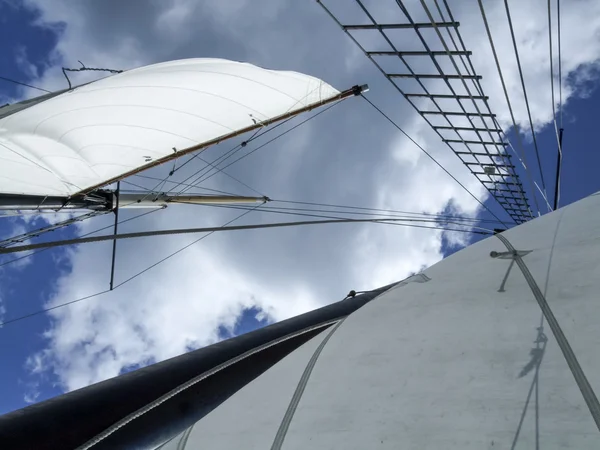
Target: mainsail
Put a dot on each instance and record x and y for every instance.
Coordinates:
(102, 131)
(459, 356)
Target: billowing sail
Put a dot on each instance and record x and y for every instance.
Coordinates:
(97, 132)
(494, 347)
(460, 358)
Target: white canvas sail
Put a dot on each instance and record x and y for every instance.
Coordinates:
(457, 359)
(102, 130)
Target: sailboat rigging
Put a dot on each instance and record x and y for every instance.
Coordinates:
(440, 359)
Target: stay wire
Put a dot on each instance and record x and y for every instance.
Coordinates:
(465, 220)
(228, 175)
(177, 183)
(432, 158)
(514, 122)
(268, 142)
(257, 134)
(385, 221)
(87, 297)
(83, 235)
(479, 89)
(187, 246)
(559, 68)
(197, 155)
(10, 80)
(329, 205)
(514, 41)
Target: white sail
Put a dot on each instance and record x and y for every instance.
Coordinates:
(458, 358)
(102, 130)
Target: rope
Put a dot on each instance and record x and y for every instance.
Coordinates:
(10, 80)
(84, 68)
(559, 66)
(176, 183)
(474, 219)
(512, 33)
(42, 311)
(479, 89)
(500, 149)
(266, 143)
(211, 230)
(299, 391)
(432, 158)
(519, 140)
(86, 234)
(582, 382)
(384, 220)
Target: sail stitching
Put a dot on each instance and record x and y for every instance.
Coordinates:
(289, 414)
(582, 382)
(140, 412)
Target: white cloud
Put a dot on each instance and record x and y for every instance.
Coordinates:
(346, 156)
(32, 394)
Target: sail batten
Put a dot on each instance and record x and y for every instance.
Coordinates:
(103, 131)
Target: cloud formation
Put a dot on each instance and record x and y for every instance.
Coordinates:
(348, 155)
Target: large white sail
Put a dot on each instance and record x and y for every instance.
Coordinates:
(102, 130)
(459, 358)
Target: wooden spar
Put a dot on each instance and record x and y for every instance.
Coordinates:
(355, 90)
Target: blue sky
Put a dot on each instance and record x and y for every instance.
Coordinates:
(26, 289)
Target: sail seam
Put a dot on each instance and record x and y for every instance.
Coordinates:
(580, 378)
(289, 414)
(120, 424)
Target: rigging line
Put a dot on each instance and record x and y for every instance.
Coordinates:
(198, 154)
(273, 139)
(386, 210)
(202, 169)
(514, 41)
(228, 175)
(487, 231)
(415, 216)
(210, 230)
(560, 108)
(45, 310)
(432, 158)
(210, 175)
(188, 245)
(519, 140)
(257, 134)
(42, 311)
(144, 189)
(479, 89)
(83, 235)
(27, 235)
(179, 183)
(499, 148)
(559, 66)
(552, 72)
(150, 192)
(25, 84)
(514, 216)
(583, 384)
(475, 83)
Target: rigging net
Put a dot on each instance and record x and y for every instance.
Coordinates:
(451, 101)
